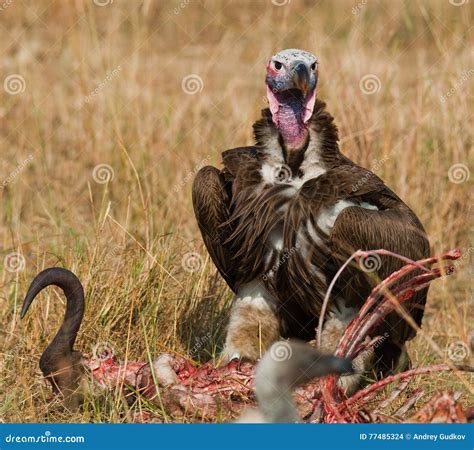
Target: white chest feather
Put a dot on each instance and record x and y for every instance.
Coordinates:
(274, 172)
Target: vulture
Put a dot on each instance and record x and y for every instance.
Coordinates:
(282, 216)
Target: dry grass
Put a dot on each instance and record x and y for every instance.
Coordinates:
(103, 86)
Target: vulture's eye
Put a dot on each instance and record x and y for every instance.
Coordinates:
(278, 65)
(313, 66)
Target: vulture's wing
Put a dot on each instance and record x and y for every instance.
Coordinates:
(381, 220)
(212, 202)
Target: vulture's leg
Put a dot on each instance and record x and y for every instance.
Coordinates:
(253, 324)
(211, 202)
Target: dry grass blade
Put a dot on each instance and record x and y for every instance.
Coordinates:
(103, 126)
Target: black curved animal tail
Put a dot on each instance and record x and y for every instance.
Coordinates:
(60, 363)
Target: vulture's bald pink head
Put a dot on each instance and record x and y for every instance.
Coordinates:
(292, 76)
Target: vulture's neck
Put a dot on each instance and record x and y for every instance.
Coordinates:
(285, 138)
(294, 132)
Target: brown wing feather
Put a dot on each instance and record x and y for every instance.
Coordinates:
(211, 202)
(234, 159)
(394, 230)
(393, 227)
(213, 192)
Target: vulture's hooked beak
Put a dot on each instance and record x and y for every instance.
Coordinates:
(301, 76)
